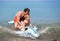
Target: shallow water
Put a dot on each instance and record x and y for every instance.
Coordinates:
(52, 33)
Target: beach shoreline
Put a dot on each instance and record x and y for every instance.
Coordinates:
(53, 33)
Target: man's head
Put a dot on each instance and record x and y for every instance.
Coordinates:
(27, 10)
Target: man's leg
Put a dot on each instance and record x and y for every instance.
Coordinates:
(15, 25)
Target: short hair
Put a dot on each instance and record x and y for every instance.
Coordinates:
(26, 9)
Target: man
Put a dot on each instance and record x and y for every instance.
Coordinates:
(20, 17)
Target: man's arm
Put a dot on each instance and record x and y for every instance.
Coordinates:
(18, 15)
(30, 24)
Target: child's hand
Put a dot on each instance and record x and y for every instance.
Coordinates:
(30, 24)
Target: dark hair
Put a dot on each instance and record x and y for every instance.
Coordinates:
(26, 9)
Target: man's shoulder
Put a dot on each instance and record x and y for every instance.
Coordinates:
(20, 11)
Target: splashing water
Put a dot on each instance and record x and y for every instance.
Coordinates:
(21, 33)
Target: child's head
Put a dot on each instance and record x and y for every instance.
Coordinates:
(27, 17)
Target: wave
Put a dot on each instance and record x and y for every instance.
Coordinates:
(40, 31)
